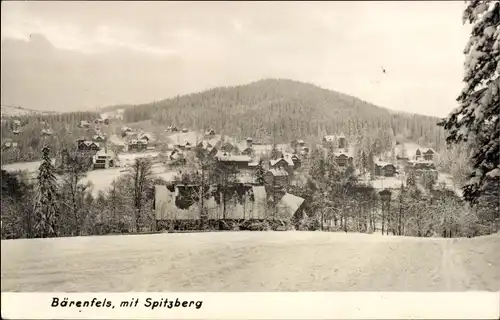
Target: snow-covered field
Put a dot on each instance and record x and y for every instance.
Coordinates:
(251, 261)
(102, 179)
(23, 166)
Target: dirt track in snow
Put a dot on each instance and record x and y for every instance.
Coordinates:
(251, 261)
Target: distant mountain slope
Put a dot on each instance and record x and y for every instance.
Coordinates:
(10, 111)
(282, 108)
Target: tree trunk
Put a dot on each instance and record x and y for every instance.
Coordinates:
(322, 218)
(383, 218)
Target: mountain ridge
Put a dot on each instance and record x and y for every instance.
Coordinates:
(266, 81)
(287, 108)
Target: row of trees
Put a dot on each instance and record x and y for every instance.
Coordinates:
(339, 200)
(60, 203)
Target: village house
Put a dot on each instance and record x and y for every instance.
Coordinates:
(304, 151)
(294, 159)
(126, 129)
(239, 161)
(248, 152)
(228, 147)
(84, 124)
(384, 169)
(420, 165)
(204, 144)
(169, 205)
(210, 132)
(98, 138)
(176, 154)
(104, 159)
(343, 159)
(98, 121)
(87, 146)
(254, 163)
(9, 144)
(425, 154)
(185, 130)
(16, 131)
(137, 145)
(144, 136)
(276, 181)
(249, 142)
(281, 163)
(285, 163)
(339, 142)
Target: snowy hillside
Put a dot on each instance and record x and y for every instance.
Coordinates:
(9, 111)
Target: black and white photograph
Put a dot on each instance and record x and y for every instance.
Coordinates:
(267, 146)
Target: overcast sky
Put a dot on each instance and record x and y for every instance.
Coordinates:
(78, 55)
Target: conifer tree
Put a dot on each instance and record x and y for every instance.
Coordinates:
(259, 173)
(477, 117)
(46, 209)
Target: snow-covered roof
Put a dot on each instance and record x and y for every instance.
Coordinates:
(103, 153)
(249, 139)
(290, 155)
(329, 138)
(300, 141)
(383, 163)
(254, 163)
(225, 156)
(205, 145)
(343, 153)
(144, 136)
(288, 160)
(291, 203)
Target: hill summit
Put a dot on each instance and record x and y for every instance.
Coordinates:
(280, 108)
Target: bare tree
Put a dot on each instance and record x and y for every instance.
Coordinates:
(74, 169)
(141, 176)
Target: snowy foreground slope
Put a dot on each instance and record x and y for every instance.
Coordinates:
(251, 261)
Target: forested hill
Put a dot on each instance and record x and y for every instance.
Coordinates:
(284, 109)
